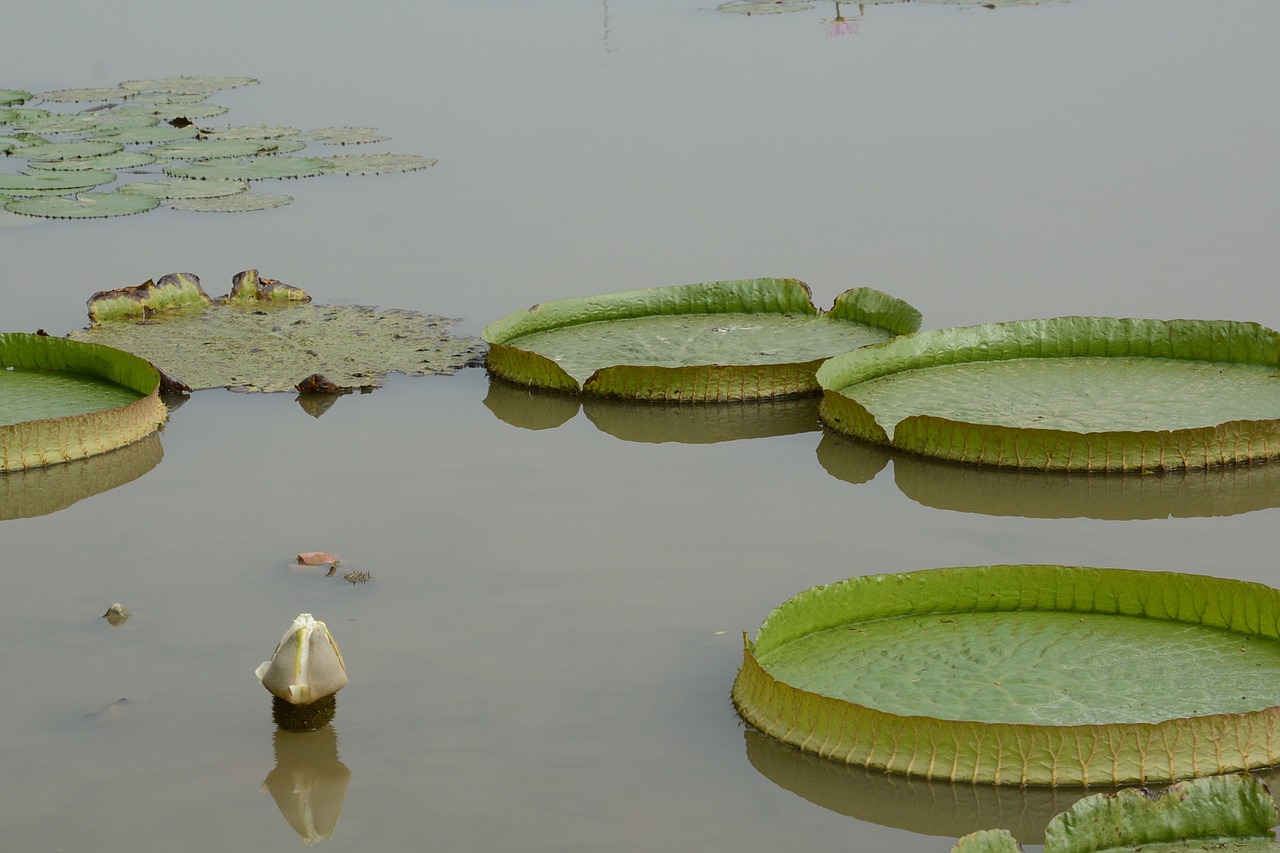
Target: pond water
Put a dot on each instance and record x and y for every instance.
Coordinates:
(542, 657)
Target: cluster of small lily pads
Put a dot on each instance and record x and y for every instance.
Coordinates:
(159, 129)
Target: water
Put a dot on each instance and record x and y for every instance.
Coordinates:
(543, 656)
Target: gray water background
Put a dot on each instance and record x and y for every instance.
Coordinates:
(543, 658)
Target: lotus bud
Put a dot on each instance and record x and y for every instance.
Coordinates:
(306, 666)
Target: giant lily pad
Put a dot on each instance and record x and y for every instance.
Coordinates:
(250, 168)
(1026, 675)
(724, 340)
(1069, 393)
(64, 400)
(273, 346)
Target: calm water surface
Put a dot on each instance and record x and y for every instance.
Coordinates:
(543, 657)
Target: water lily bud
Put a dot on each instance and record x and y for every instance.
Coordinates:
(306, 665)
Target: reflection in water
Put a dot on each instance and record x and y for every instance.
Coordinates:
(308, 783)
(1228, 490)
(687, 423)
(40, 491)
(842, 25)
(926, 806)
(317, 404)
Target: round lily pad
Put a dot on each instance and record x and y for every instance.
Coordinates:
(249, 169)
(99, 93)
(14, 96)
(118, 160)
(373, 164)
(45, 182)
(65, 400)
(207, 149)
(84, 205)
(1069, 393)
(347, 135)
(73, 150)
(103, 121)
(187, 85)
(149, 135)
(762, 7)
(718, 341)
(233, 203)
(186, 188)
(255, 131)
(1026, 675)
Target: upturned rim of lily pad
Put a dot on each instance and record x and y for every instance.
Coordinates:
(783, 376)
(930, 433)
(961, 749)
(50, 441)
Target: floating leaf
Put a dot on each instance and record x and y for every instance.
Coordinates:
(95, 122)
(84, 205)
(13, 96)
(257, 131)
(762, 7)
(238, 203)
(988, 841)
(1069, 393)
(1068, 676)
(152, 135)
(250, 169)
(174, 290)
(347, 135)
(19, 117)
(187, 85)
(118, 160)
(66, 400)
(186, 188)
(52, 182)
(111, 93)
(716, 341)
(270, 348)
(207, 149)
(318, 558)
(373, 164)
(117, 614)
(73, 150)
(249, 288)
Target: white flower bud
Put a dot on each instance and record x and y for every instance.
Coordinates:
(306, 666)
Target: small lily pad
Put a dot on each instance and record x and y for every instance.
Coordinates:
(101, 93)
(256, 131)
(152, 135)
(52, 182)
(104, 122)
(187, 85)
(347, 135)
(118, 160)
(236, 203)
(73, 150)
(207, 149)
(87, 205)
(762, 7)
(186, 188)
(14, 96)
(250, 169)
(373, 164)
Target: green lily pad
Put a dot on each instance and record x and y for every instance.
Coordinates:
(184, 85)
(255, 131)
(104, 122)
(167, 111)
(1069, 393)
(118, 160)
(87, 205)
(249, 169)
(347, 135)
(207, 149)
(268, 348)
(20, 116)
(148, 135)
(30, 184)
(988, 841)
(1025, 675)
(762, 7)
(186, 188)
(237, 203)
(72, 150)
(100, 93)
(14, 96)
(728, 340)
(64, 400)
(373, 164)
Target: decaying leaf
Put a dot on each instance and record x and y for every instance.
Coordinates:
(175, 290)
(248, 288)
(117, 614)
(318, 558)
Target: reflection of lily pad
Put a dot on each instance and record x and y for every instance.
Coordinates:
(270, 348)
(84, 205)
(41, 491)
(250, 169)
(530, 408)
(1070, 393)
(723, 341)
(374, 164)
(1023, 674)
(709, 423)
(237, 203)
(64, 400)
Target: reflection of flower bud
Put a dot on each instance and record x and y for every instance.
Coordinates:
(306, 665)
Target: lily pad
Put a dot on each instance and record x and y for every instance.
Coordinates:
(762, 7)
(186, 188)
(73, 150)
(719, 341)
(65, 400)
(52, 182)
(1069, 393)
(1024, 675)
(187, 85)
(14, 96)
(347, 135)
(373, 164)
(99, 93)
(174, 290)
(250, 131)
(87, 205)
(104, 122)
(147, 135)
(238, 203)
(207, 149)
(249, 169)
(269, 348)
(105, 162)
